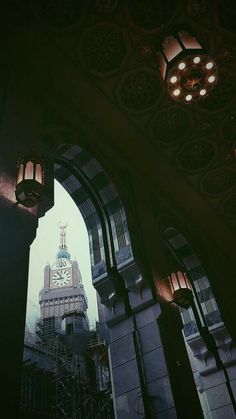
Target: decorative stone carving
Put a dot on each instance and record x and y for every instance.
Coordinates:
(170, 126)
(139, 90)
(196, 155)
(103, 48)
(151, 15)
(59, 14)
(219, 180)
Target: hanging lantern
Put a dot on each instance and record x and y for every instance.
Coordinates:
(30, 181)
(181, 289)
(189, 72)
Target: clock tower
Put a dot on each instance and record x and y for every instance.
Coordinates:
(63, 291)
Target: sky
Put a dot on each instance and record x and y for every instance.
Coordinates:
(45, 247)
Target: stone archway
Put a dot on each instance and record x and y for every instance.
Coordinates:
(128, 308)
(99, 203)
(206, 373)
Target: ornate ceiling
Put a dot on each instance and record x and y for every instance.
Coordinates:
(112, 43)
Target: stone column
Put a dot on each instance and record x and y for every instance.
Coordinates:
(169, 383)
(21, 132)
(18, 230)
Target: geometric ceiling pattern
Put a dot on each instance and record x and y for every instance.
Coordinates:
(114, 42)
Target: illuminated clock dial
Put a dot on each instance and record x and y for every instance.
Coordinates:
(61, 278)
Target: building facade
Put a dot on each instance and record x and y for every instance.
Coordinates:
(63, 290)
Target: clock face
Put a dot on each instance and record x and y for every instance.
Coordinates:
(61, 278)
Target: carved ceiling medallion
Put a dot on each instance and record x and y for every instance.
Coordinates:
(219, 180)
(103, 48)
(196, 155)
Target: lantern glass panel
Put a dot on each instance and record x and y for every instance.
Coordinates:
(179, 280)
(162, 67)
(174, 282)
(171, 47)
(39, 173)
(20, 173)
(29, 170)
(189, 41)
(183, 280)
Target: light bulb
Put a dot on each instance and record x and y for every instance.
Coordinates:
(182, 65)
(209, 65)
(188, 98)
(173, 79)
(176, 92)
(211, 79)
(196, 60)
(202, 92)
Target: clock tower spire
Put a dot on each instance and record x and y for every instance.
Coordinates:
(63, 252)
(63, 290)
(62, 236)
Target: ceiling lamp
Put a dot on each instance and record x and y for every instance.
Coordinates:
(188, 71)
(181, 289)
(30, 181)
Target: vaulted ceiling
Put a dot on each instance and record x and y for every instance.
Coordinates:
(98, 75)
(112, 44)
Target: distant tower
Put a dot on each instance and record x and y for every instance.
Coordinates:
(63, 328)
(63, 290)
(76, 357)
(63, 294)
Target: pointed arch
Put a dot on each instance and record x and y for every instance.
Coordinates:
(114, 268)
(99, 202)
